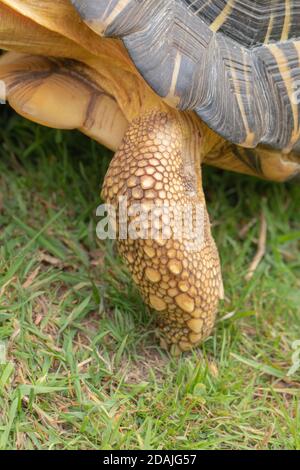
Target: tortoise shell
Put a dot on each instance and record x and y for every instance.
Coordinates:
(235, 62)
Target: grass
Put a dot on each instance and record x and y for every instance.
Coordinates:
(81, 368)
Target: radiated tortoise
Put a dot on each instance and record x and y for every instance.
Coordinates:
(168, 85)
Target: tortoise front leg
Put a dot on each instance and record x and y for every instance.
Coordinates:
(172, 255)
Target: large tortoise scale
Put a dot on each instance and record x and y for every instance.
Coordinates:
(236, 63)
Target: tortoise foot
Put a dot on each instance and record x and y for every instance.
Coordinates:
(165, 237)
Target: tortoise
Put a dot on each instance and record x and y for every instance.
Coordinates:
(168, 85)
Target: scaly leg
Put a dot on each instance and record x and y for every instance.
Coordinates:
(177, 272)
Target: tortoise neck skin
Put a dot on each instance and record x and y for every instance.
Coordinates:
(171, 253)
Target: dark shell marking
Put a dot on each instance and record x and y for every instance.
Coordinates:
(235, 62)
